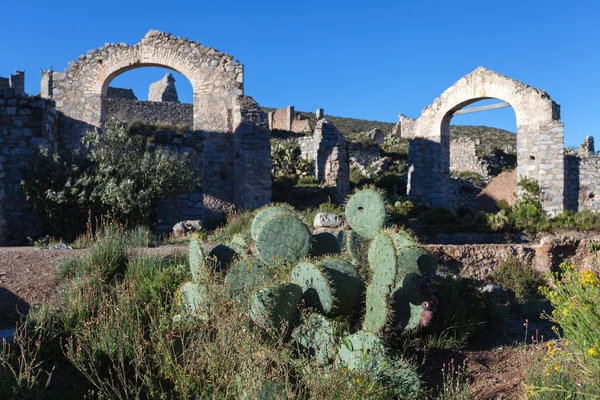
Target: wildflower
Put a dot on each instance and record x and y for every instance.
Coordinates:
(551, 349)
(592, 352)
(556, 367)
(567, 343)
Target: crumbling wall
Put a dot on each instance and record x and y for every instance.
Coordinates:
(463, 157)
(281, 119)
(217, 82)
(540, 138)
(405, 127)
(149, 111)
(583, 177)
(26, 123)
(120, 93)
(332, 164)
(164, 90)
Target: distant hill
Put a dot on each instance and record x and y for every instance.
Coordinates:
(490, 138)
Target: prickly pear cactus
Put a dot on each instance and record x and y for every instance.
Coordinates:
(271, 390)
(361, 350)
(324, 243)
(354, 247)
(276, 307)
(224, 254)
(378, 309)
(315, 338)
(400, 377)
(365, 212)
(282, 239)
(263, 215)
(332, 287)
(239, 240)
(246, 276)
(197, 262)
(194, 298)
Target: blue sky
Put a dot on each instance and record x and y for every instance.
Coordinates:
(370, 60)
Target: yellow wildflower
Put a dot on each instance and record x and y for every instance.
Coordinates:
(592, 352)
(556, 367)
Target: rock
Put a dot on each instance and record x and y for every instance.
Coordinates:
(376, 135)
(492, 289)
(328, 220)
(61, 246)
(184, 228)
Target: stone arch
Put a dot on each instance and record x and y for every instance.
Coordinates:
(225, 118)
(540, 137)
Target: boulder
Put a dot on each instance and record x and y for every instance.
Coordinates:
(184, 228)
(328, 220)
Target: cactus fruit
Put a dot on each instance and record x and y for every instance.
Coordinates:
(246, 276)
(263, 215)
(324, 243)
(365, 212)
(194, 298)
(360, 350)
(224, 255)
(333, 286)
(315, 336)
(197, 262)
(275, 307)
(283, 238)
(354, 246)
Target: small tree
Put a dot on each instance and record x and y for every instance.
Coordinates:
(113, 173)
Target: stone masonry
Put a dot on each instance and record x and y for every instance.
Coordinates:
(149, 111)
(164, 90)
(540, 138)
(217, 83)
(405, 127)
(120, 93)
(26, 123)
(463, 157)
(332, 163)
(281, 119)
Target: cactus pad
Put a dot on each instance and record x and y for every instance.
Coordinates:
(324, 243)
(263, 215)
(194, 298)
(275, 307)
(354, 247)
(360, 350)
(333, 287)
(365, 212)
(197, 262)
(401, 378)
(315, 336)
(383, 260)
(271, 390)
(416, 260)
(377, 310)
(283, 238)
(246, 276)
(224, 254)
(400, 238)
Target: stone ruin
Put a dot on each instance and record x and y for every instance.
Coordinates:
(164, 90)
(229, 131)
(286, 119)
(332, 163)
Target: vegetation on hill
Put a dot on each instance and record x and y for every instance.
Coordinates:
(490, 138)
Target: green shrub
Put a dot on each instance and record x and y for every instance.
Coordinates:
(575, 296)
(522, 280)
(287, 160)
(113, 173)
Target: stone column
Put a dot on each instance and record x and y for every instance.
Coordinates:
(332, 164)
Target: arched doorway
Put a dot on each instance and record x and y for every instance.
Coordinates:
(540, 137)
(222, 115)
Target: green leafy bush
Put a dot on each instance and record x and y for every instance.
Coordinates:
(113, 173)
(519, 278)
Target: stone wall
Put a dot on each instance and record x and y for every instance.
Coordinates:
(120, 93)
(332, 165)
(463, 157)
(405, 127)
(540, 138)
(462, 194)
(164, 90)
(281, 119)
(16, 82)
(149, 111)
(583, 177)
(26, 123)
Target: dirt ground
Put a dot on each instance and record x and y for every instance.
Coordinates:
(495, 362)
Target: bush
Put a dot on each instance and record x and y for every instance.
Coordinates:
(575, 296)
(287, 160)
(522, 280)
(114, 173)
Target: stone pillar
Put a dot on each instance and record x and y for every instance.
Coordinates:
(46, 84)
(332, 164)
(320, 114)
(17, 82)
(588, 145)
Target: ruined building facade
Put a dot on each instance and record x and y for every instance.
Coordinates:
(234, 155)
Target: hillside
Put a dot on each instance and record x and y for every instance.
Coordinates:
(490, 138)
